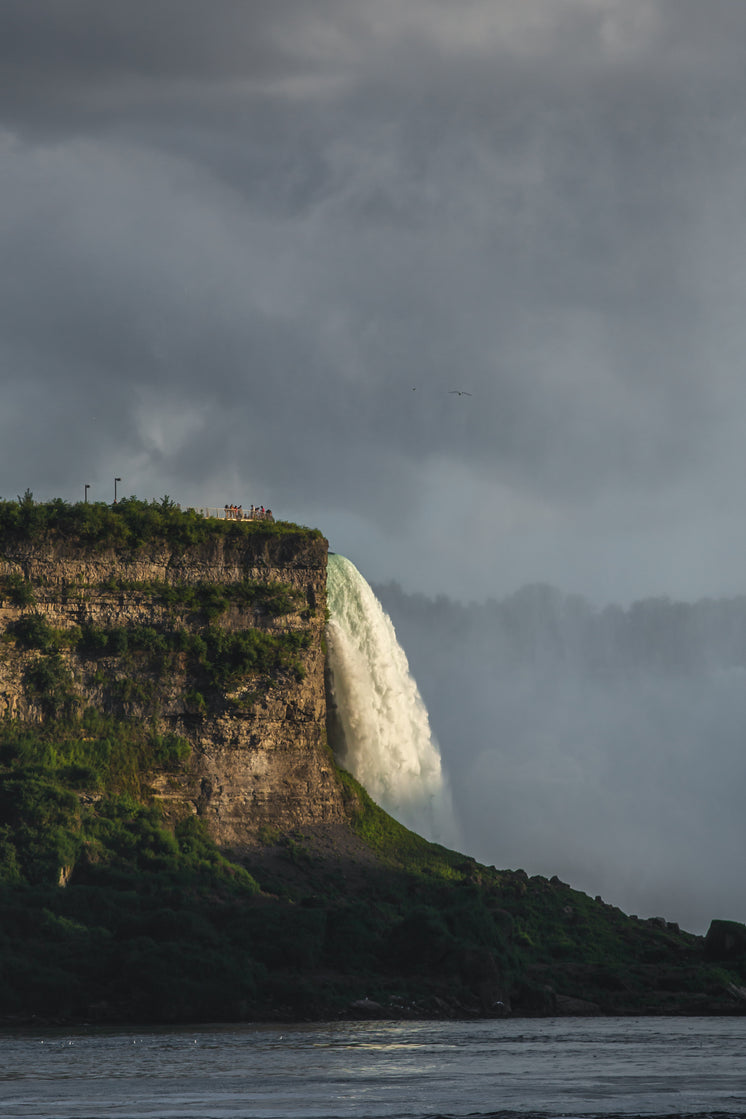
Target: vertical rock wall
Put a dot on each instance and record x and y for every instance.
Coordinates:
(258, 745)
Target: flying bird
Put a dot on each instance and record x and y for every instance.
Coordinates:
(459, 392)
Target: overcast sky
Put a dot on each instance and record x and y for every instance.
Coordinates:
(250, 249)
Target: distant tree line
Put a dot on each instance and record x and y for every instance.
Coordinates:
(540, 625)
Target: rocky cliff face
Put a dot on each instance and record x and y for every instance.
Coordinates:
(218, 645)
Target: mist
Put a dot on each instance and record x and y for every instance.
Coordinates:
(602, 745)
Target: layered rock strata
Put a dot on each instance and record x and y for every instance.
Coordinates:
(258, 755)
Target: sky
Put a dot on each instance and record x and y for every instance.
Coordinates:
(252, 249)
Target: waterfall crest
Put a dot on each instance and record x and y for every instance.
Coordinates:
(382, 733)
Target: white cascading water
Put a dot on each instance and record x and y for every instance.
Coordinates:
(384, 738)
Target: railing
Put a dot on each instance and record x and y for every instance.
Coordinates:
(228, 513)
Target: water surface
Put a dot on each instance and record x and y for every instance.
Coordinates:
(411, 1070)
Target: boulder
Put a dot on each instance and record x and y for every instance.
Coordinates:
(725, 940)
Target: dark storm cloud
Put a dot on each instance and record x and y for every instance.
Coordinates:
(82, 41)
(223, 223)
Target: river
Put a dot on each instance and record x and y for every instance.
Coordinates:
(514, 1067)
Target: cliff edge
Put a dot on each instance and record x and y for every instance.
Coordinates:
(209, 634)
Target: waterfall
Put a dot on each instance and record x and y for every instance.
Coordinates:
(379, 726)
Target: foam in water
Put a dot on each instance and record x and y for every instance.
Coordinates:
(383, 731)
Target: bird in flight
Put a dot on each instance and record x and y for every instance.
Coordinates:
(458, 392)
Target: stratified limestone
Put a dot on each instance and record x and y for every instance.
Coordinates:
(259, 756)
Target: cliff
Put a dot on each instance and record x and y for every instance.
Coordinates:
(217, 644)
(177, 844)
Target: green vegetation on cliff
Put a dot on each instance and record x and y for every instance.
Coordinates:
(131, 523)
(115, 902)
(116, 652)
(219, 656)
(153, 923)
(193, 637)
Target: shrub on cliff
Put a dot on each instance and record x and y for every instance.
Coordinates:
(17, 590)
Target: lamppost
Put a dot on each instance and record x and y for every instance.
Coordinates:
(115, 489)
(87, 487)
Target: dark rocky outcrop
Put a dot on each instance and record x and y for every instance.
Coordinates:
(725, 940)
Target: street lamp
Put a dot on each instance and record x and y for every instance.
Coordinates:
(87, 487)
(115, 489)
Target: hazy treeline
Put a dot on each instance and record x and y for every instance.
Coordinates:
(539, 625)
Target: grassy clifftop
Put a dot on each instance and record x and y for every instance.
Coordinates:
(131, 523)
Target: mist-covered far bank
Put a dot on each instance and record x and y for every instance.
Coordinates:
(602, 745)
